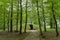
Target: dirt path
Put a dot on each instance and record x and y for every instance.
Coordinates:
(32, 36)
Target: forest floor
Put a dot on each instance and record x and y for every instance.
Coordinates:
(32, 35)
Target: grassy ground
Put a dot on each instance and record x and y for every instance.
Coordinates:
(12, 36)
(31, 35)
(50, 35)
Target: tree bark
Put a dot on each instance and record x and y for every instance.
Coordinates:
(26, 17)
(20, 16)
(17, 16)
(39, 18)
(51, 25)
(57, 33)
(43, 17)
(11, 20)
(4, 19)
(8, 19)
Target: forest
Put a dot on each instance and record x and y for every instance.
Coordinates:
(29, 19)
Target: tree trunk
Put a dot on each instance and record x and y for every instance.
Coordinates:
(51, 25)
(11, 26)
(4, 19)
(26, 17)
(57, 33)
(39, 18)
(8, 19)
(43, 17)
(20, 16)
(17, 16)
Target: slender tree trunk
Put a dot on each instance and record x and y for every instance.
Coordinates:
(8, 19)
(57, 33)
(51, 25)
(20, 16)
(4, 19)
(26, 17)
(39, 18)
(8, 22)
(11, 28)
(17, 17)
(43, 17)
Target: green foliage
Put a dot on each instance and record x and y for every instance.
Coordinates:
(32, 16)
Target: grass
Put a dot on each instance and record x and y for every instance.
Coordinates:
(30, 35)
(12, 36)
(49, 35)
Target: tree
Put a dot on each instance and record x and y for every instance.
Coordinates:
(26, 16)
(51, 26)
(20, 16)
(17, 16)
(4, 18)
(57, 33)
(8, 19)
(43, 16)
(38, 18)
(11, 16)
